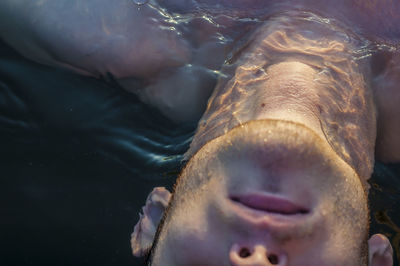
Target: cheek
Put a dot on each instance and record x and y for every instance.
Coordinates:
(199, 245)
(198, 236)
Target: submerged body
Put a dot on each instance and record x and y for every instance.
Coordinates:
(169, 52)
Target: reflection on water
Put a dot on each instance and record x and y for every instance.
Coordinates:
(79, 155)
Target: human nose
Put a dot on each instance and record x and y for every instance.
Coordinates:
(257, 255)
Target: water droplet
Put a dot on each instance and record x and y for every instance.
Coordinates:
(140, 2)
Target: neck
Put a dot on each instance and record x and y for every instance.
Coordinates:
(299, 69)
(288, 92)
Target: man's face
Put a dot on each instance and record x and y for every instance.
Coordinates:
(265, 193)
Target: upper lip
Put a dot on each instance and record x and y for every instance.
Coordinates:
(269, 204)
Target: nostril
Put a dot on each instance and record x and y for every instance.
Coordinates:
(273, 259)
(244, 253)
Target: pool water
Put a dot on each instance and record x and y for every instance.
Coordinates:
(78, 158)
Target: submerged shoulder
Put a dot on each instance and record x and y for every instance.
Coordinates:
(95, 37)
(386, 87)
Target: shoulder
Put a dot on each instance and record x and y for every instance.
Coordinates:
(96, 37)
(386, 88)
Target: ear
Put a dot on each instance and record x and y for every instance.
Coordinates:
(380, 251)
(144, 231)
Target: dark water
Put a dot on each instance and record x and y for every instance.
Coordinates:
(78, 157)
